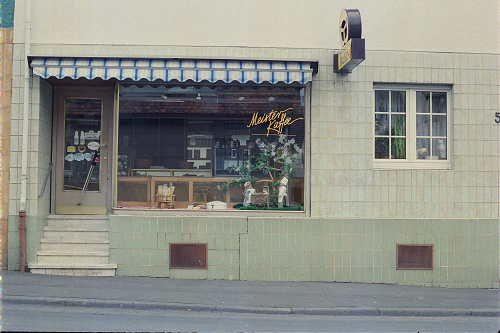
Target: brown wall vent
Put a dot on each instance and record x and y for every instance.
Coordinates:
(188, 255)
(410, 256)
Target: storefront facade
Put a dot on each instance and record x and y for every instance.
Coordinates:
(390, 171)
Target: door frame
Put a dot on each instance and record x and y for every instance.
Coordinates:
(106, 93)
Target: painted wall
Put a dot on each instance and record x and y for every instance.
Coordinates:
(427, 25)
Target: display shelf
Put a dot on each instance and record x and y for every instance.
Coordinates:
(188, 191)
(172, 172)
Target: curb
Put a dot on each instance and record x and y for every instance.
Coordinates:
(351, 311)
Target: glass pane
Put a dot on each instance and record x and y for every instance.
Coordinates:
(208, 134)
(439, 148)
(398, 148)
(381, 124)
(381, 147)
(423, 148)
(199, 144)
(204, 192)
(398, 125)
(423, 125)
(82, 138)
(439, 102)
(438, 125)
(180, 189)
(381, 101)
(132, 192)
(423, 101)
(398, 101)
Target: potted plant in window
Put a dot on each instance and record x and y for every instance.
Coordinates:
(399, 140)
(275, 159)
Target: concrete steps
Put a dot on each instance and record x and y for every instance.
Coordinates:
(75, 245)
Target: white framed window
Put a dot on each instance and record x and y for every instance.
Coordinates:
(412, 127)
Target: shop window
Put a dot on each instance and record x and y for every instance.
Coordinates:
(211, 146)
(412, 127)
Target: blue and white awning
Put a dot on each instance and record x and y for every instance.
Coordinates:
(174, 69)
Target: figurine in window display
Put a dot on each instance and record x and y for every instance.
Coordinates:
(421, 153)
(442, 149)
(248, 194)
(282, 192)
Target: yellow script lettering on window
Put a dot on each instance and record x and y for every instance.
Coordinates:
(276, 121)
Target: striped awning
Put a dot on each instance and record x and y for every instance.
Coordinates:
(174, 69)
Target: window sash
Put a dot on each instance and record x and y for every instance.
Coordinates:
(441, 116)
(393, 133)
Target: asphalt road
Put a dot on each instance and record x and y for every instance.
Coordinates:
(73, 319)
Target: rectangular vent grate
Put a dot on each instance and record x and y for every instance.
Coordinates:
(410, 256)
(188, 255)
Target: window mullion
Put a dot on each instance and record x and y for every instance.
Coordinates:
(390, 124)
(448, 126)
(411, 131)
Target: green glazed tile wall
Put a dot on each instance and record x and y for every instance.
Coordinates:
(140, 245)
(311, 249)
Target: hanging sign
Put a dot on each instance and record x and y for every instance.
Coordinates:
(352, 52)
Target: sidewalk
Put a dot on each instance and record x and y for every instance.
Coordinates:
(309, 298)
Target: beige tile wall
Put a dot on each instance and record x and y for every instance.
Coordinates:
(345, 190)
(39, 144)
(343, 182)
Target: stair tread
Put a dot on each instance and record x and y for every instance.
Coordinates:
(46, 265)
(72, 253)
(78, 217)
(72, 228)
(60, 240)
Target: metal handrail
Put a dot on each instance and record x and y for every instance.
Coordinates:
(46, 179)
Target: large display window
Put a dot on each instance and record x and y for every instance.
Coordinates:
(194, 146)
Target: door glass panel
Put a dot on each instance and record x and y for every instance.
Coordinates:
(82, 139)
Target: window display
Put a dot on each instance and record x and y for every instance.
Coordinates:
(82, 140)
(207, 141)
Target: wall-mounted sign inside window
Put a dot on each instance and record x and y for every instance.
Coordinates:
(352, 52)
(275, 120)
